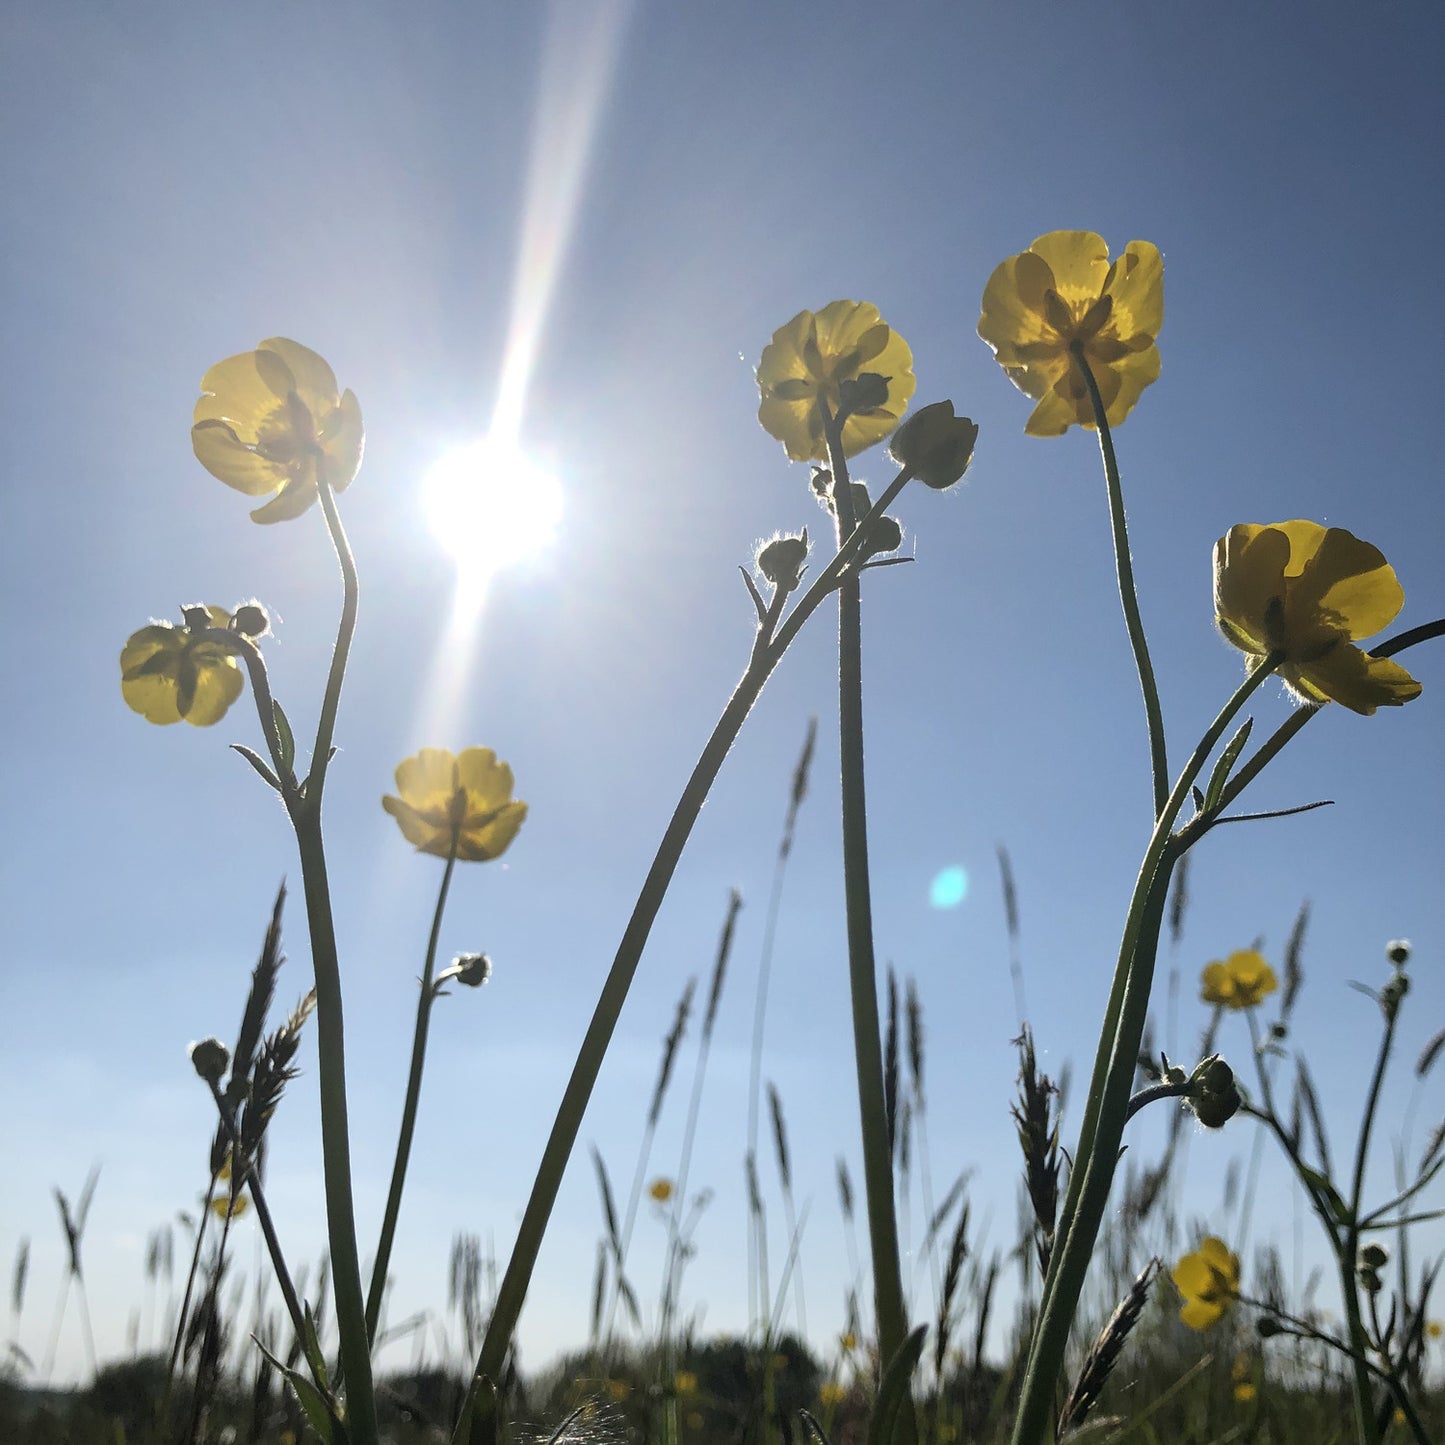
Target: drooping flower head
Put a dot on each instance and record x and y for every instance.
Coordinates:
(169, 672)
(1312, 592)
(469, 794)
(270, 421)
(813, 359)
(1208, 1280)
(1243, 980)
(1062, 296)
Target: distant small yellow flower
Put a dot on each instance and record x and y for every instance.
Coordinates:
(168, 673)
(831, 1393)
(660, 1190)
(1434, 1329)
(1312, 592)
(805, 365)
(1243, 980)
(469, 794)
(1208, 1280)
(270, 421)
(223, 1205)
(848, 1342)
(685, 1382)
(1244, 1392)
(618, 1390)
(1063, 297)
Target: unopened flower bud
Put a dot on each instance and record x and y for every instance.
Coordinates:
(864, 392)
(935, 445)
(210, 1059)
(1370, 1281)
(1398, 951)
(885, 535)
(1267, 1327)
(1213, 1096)
(196, 616)
(1374, 1256)
(251, 620)
(783, 559)
(472, 969)
(1279, 1031)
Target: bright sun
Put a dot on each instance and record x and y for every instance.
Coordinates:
(490, 505)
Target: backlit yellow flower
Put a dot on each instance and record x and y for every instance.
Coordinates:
(807, 362)
(1241, 981)
(685, 1382)
(1312, 592)
(168, 672)
(270, 421)
(469, 795)
(831, 1393)
(1063, 296)
(660, 1190)
(1208, 1280)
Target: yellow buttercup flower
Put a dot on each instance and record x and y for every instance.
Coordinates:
(807, 363)
(1063, 297)
(1208, 1280)
(660, 1190)
(469, 795)
(168, 672)
(1312, 592)
(831, 1393)
(270, 421)
(1243, 980)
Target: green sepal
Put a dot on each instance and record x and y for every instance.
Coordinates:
(894, 1390)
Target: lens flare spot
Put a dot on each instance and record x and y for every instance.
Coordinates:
(490, 505)
(949, 887)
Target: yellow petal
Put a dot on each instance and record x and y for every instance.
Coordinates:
(476, 845)
(311, 376)
(842, 325)
(343, 440)
(1136, 282)
(1055, 414)
(219, 450)
(243, 390)
(782, 358)
(1348, 581)
(1129, 376)
(488, 782)
(1221, 1260)
(218, 685)
(1201, 1314)
(293, 499)
(1355, 680)
(429, 775)
(1192, 1276)
(1249, 563)
(1216, 984)
(415, 828)
(1013, 309)
(1079, 261)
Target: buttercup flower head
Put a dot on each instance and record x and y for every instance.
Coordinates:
(1063, 298)
(1312, 592)
(1208, 1280)
(813, 359)
(270, 421)
(660, 1190)
(1243, 980)
(469, 794)
(170, 672)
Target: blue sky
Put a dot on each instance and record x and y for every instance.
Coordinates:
(181, 186)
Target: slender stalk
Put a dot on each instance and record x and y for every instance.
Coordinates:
(1097, 1156)
(1124, 564)
(769, 644)
(862, 971)
(425, 1000)
(330, 1030)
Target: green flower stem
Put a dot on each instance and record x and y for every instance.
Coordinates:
(263, 1215)
(1103, 1128)
(1128, 595)
(330, 1030)
(769, 644)
(1365, 1416)
(889, 1305)
(424, 1002)
(1153, 1094)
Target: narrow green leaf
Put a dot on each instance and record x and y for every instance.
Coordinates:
(1330, 1195)
(312, 1345)
(284, 735)
(477, 1424)
(1227, 759)
(255, 761)
(894, 1392)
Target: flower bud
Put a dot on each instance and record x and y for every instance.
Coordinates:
(1398, 951)
(210, 1059)
(1370, 1281)
(1374, 1256)
(472, 969)
(251, 620)
(885, 535)
(1213, 1096)
(196, 616)
(1268, 1326)
(783, 560)
(935, 445)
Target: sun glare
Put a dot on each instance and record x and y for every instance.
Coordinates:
(490, 505)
